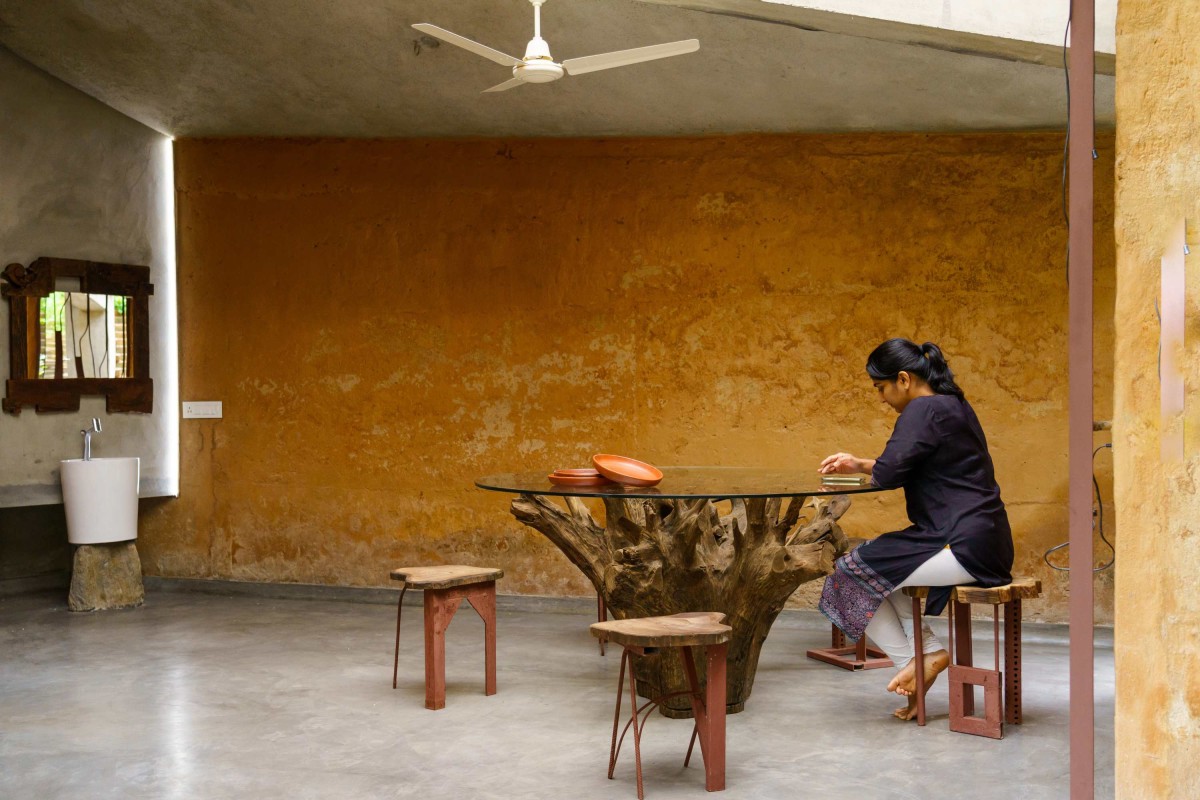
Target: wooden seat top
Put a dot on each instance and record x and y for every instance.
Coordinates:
(689, 629)
(1020, 589)
(444, 577)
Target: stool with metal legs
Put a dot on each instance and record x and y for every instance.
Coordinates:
(445, 588)
(963, 675)
(687, 631)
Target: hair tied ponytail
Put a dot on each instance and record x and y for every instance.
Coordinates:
(926, 361)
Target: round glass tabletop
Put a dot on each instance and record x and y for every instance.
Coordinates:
(680, 483)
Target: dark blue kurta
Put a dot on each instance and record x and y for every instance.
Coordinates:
(939, 455)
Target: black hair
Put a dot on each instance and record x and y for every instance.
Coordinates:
(925, 361)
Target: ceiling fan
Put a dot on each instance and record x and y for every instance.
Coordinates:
(538, 67)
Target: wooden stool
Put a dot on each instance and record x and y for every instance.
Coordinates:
(963, 675)
(685, 631)
(445, 588)
(860, 655)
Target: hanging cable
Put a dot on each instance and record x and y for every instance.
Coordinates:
(87, 327)
(1067, 138)
(1099, 524)
(70, 313)
(1066, 145)
(104, 357)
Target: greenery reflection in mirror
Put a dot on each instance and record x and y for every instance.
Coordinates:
(78, 328)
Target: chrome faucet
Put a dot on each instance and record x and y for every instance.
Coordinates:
(87, 438)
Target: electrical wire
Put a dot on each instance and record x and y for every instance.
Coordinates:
(1099, 523)
(71, 316)
(87, 327)
(1067, 139)
(104, 357)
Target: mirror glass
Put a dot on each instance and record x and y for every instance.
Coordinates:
(83, 336)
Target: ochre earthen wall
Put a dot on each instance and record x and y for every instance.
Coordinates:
(385, 321)
(1157, 606)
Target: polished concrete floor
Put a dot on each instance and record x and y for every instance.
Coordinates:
(208, 696)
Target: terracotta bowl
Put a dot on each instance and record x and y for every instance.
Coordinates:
(589, 471)
(628, 471)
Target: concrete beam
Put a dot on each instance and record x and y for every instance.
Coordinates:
(1026, 31)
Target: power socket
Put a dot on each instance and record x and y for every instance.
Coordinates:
(209, 409)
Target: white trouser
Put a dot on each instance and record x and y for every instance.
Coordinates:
(891, 627)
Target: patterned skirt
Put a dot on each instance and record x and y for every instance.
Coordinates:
(852, 594)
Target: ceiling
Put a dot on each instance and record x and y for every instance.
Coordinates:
(335, 68)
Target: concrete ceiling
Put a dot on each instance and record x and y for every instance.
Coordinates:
(355, 68)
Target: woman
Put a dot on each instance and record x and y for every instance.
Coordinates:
(959, 532)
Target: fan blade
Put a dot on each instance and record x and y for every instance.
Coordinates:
(621, 58)
(466, 44)
(504, 87)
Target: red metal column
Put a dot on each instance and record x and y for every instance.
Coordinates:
(1079, 272)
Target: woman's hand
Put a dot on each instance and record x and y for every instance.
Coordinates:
(845, 464)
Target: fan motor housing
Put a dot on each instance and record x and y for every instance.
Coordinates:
(538, 71)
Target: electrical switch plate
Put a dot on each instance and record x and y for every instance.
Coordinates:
(210, 409)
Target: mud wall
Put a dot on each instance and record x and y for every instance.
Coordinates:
(1158, 187)
(385, 321)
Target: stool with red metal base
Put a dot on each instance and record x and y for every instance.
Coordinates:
(445, 588)
(684, 631)
(963, 675)
(850, 656)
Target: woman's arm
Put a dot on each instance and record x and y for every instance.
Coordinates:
(845, 464)
(914, 439)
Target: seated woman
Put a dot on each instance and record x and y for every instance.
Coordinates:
(959, 532)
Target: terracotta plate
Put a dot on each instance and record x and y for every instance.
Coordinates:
(628, 471)
(577, 472)
(578, 480)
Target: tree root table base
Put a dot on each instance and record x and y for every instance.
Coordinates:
(654, 557)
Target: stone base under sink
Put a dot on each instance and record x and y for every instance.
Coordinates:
(106, 576)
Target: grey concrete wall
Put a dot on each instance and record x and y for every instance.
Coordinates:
(80, 180)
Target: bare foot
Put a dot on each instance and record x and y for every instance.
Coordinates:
(905, 681)
(909, 711)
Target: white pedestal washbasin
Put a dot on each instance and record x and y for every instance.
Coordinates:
(101, 496)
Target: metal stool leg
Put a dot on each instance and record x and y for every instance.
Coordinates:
(440, 605)
(1012, 662)
(714, 702)
(601, 615)
(612, 750)
(963, 655)
(637, 730)
(396, 663)
(483, 600)
(919, 659)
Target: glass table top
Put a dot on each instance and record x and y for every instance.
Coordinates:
(685, 483)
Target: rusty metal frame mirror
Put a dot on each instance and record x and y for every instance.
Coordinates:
(24, 287)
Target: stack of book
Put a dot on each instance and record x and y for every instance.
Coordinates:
(846, 480)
